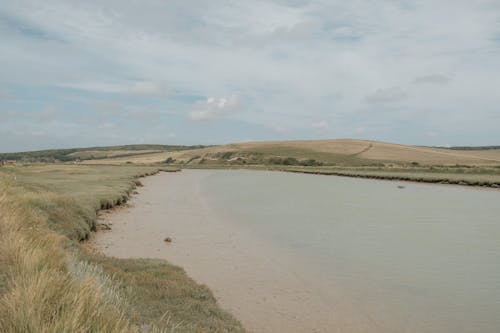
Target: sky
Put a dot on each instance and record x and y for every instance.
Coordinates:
(94, 73)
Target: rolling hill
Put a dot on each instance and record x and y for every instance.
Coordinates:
(341, 152)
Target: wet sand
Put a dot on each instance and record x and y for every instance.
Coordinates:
(261, 286)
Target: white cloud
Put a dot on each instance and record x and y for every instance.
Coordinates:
(278, 128)
(320, 125)
(94, 86)
(432, 79)
(387, 96)
(297, 32)
(432, 134)
(7, 115)
(4, 95)
(38, 133)
(147, 88)
(215, 107)
(48, 114)
(143, 115)
(106, 125)
(360, 130)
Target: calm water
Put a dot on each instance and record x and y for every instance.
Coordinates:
(425, 258)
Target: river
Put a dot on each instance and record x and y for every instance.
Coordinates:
(291, 252)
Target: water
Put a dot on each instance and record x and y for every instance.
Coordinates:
(300, 253)
(422, 258)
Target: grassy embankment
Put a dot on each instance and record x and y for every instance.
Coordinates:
(51, 282)
(471, 176)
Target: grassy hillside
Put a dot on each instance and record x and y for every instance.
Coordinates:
(341, 152)
(50, 281)
(476, 166)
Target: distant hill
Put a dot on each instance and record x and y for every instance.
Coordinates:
(475, 148)
(91, 153)
(342, 152)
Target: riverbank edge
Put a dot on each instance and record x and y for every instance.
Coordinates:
(83, 275)
(434, 178)
(109, 264)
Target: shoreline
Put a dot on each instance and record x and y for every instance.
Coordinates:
(185, 293)
(437, 181)
(429, 178)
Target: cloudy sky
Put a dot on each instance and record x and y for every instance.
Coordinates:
(84, 73)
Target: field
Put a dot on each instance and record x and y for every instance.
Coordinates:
(51, 281)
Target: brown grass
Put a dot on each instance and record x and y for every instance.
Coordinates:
(86, 154)
(44, 289)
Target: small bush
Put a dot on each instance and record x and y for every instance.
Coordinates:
(311, 162)
(225, 155)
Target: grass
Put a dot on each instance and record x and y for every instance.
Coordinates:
(51, 282)
(162, 295)
(43, 288)
(488, 177)
(307, 154)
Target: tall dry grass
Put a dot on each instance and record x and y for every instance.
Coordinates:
(43, 288)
